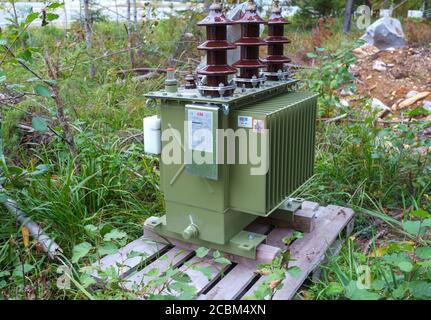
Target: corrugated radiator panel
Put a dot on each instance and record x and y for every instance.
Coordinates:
(292, 137)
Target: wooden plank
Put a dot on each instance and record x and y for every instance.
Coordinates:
(302, 220)
(171, 259)
(260, 227)
(310, 205)
(199, 280)
(308, 252)
(232, 285)
(264, 253)
(124, 265)
(275, 237)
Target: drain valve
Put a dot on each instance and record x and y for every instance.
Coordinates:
(192, 230)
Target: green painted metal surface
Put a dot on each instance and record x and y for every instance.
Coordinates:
(211, 206)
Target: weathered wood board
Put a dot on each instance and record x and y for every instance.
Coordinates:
(330, 226)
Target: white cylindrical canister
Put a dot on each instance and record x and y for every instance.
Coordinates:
(152, 136)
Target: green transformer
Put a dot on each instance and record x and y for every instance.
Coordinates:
(226, 161)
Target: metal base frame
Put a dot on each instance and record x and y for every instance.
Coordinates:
(244, 243)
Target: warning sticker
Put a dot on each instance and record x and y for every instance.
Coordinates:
(245, 122)
(258, 125)
(200, 130)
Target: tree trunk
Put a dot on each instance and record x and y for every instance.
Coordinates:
(53, 73)
(80, 13)
(137, 39)
(348, 16)
(66, 21)
(16, 22)
(130, 35)
(427, 9)
(88, 33)
(116, 11)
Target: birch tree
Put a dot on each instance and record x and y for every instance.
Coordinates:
(136, 38)
(88, 34)
(129, 35)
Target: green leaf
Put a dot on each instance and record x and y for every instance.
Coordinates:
(424, 252)
(422, 214)
(4, 274)
(418, 111)
(20, 269)
(42, 91)
(420, 289)
(181, 276)
(202, 252)
(425, 264)
(114, 234)
(399, 292)
(108, 248)
(80, 251)
(40, 169)
(31, 17)
(354, 293)
(222, 260)
(153, 272)
(216, 254)
(54, 5)
(86, 280)
(294, 271)
(90, 229)
(412, 227)
(405, 266)
(3, 42)
(287, 240)
(39, 124)
(311, 55)
(134, 254)
(206, 271)
(3, 197)
(378, 285)
(334, 288)
(52, 16)
(426, 223)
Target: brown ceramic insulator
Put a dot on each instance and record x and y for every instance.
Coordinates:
(216, 46)
(276, 40)
(249, 42)
(190, 82)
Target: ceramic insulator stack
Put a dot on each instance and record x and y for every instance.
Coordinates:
(216, 73)
(276, 40)
(249, 64)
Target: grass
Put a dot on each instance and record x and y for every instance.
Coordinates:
(358, 164)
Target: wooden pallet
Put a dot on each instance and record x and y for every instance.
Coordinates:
(327, 227)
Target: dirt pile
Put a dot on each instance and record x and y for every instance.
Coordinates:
(394, 76)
